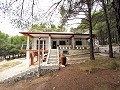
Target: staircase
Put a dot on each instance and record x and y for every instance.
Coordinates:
(53, 57)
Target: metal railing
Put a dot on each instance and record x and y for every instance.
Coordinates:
(48, 55)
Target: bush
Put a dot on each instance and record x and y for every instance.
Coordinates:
(89, 69)
(115, 65)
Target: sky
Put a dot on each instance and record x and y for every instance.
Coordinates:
(8, 28)
(40, 5)
(43, 5)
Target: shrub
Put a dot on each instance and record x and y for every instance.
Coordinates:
(115, 65)
(89, 69)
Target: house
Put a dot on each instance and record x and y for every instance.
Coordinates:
(54, 43)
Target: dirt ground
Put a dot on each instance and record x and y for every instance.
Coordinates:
(70, 78)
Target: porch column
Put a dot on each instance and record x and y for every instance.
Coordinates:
(43, 51)
(28, 52)
(73, 42)
(49, 42)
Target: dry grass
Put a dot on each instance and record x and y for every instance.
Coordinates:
(100, 62)
(78, 55)
(9, 64)
(102, 87)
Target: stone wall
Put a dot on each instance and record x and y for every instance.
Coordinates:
(28, 75)
(74, 51)
(105, 49)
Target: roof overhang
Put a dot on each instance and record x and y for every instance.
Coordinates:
(55, 35)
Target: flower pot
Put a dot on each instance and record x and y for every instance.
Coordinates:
(63, 60)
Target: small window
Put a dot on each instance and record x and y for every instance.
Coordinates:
(61, 42)
(78, 42)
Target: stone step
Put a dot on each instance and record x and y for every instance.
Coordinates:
(52, 63)
(50, 67)
(53, 59)
(53, 56)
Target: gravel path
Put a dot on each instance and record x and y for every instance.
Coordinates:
(21, 68)
(13, 71)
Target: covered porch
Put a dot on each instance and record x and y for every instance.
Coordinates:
(53, 40)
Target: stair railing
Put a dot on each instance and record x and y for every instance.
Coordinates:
(47, 59)
(58, 54)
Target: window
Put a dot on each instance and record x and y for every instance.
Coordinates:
(41, 44)
(61, 42)
(78, 42)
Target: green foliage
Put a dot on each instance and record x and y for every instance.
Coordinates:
(99, 25)
(40, 27)
(10, 45)
(3, 44)
(115, 65)
(44, 28)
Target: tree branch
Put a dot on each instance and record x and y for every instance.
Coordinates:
(22, 8)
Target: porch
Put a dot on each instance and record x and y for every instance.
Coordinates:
(52, 44)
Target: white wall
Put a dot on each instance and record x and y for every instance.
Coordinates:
(34, 42)
(67, 41)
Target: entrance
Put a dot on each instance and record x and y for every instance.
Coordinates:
(54, 45)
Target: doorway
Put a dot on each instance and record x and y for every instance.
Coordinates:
(54, 45)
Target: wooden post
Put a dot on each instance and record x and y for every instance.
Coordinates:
(28, 52)
(43, 51)
(49, 39)
(39, 57)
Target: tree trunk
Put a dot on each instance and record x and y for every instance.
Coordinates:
(108, 29)
(5, 57)
(90, 30)
(116, 6)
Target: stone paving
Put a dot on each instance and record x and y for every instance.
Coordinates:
(12, 71)
(20, 72)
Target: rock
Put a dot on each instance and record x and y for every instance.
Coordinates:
(62, 65)
(53, 88)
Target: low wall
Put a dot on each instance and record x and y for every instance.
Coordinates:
(101, 49)
(105, 49)
(28, 74)
(73, 51)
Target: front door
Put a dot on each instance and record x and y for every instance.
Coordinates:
(54, 45)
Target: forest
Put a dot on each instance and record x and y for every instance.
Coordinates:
(104, 22)
(11, 46)
(99, 25)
